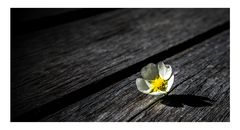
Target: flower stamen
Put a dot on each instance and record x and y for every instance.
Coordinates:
(158, 84)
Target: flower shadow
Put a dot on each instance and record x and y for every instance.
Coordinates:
(190, 100)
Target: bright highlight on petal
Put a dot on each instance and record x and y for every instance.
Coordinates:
(157, 79)
(165, 71)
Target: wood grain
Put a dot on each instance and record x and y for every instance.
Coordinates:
(49, 64)
(200, 91)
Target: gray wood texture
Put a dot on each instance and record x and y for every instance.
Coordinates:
(50, 66)
(200, 91)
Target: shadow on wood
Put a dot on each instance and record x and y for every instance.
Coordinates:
(190, 100)
(20, 27)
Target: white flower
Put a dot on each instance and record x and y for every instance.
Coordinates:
(157, 79)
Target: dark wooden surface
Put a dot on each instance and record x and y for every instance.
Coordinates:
(200, 71)
(85, 70)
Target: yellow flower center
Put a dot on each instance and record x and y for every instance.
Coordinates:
(158, 84)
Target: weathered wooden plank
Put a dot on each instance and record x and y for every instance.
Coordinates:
(200, 91)
(205, 98)
(49, 64)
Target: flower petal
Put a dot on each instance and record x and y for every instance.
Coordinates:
(149, 72)
(148, 83)
(158, 93)
(165, 71)
(170, 83)
(142, 86)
